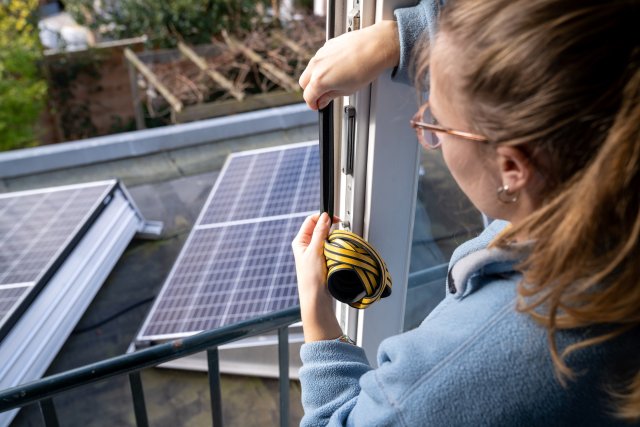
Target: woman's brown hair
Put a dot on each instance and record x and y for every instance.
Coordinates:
(561, 79)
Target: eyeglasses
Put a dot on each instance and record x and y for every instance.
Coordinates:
(424, 121)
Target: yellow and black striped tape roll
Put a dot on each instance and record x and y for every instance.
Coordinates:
(357, 274)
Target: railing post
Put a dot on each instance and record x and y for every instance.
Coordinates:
(49, 413)
(283, 362)
(139, 407)
(213, 360)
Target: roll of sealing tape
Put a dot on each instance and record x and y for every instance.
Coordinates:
(357, 274)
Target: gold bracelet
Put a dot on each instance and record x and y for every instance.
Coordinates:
(346, 339)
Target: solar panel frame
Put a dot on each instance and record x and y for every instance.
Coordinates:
(300, 208)
(33, 287)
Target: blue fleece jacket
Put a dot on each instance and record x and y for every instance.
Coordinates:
(474, 361)
(413, 22)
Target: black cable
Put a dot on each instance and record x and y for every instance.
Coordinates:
(112, 317)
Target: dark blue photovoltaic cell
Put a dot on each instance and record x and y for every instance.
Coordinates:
(308, 199)
(33, 228)
(231, 181)
(287, 186)
(244, 195)
(268, 279)
(266, 184)
(9, 297)
(228, 274)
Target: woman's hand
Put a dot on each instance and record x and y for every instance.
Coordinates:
(316, 304)
(350, 61)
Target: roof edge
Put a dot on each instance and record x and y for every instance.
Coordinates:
(46, 158)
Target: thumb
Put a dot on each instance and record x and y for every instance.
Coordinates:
(320, 232)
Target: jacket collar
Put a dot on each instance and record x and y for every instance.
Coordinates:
(473, 260)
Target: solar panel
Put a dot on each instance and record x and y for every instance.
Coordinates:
(58, 247)
(36, 228)
(237, 262)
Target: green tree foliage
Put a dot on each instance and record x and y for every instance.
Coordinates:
(166, 22)
(22, 88)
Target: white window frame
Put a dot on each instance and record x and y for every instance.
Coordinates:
(380, 199)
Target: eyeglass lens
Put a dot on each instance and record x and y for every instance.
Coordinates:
(429, 137)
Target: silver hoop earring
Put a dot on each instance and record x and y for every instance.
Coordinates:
(505, 196)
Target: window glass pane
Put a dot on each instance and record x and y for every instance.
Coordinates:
(444, 219)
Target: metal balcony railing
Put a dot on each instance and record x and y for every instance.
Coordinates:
(43, 390)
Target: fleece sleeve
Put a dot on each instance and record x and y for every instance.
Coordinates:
(339, 387)
(329, 378)
(331, 392)
(412, 24)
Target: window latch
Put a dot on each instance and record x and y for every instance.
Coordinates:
(353, 17)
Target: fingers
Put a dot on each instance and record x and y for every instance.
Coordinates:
(316, 99)
(309, 228)
(303, 81)
(320, 232)
(308, 83)
(311, 94)
(306, 229)
(325, 99)
(319, 78)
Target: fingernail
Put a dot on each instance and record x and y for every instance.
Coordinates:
(324, 218)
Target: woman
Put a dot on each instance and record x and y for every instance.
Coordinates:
(538, 115)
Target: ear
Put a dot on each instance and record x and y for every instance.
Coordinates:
(516, 170)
